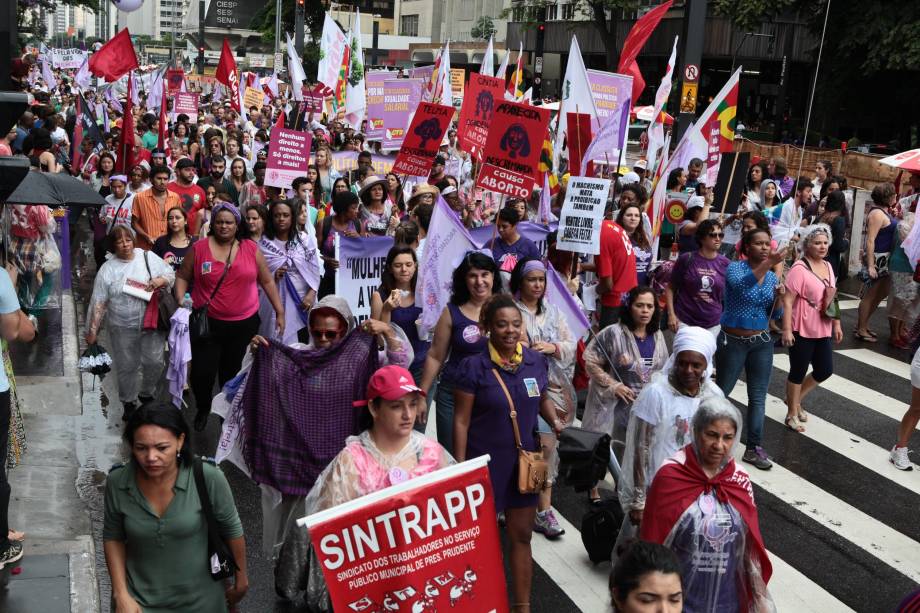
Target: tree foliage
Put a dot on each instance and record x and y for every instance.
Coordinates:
(314, 15)
(483, 29)
(29, 13)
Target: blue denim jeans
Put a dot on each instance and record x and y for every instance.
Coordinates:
(755, 356)
(444, 408)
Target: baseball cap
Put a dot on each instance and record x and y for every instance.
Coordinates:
(390, 383)
(643, 164)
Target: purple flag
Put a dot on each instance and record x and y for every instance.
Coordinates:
(83, 76)
(612, 136)
(446, 244)
(557, 293)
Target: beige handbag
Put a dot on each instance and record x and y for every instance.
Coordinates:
(533, 469)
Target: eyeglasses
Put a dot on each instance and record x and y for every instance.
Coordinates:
(716, 235)
(325, 335)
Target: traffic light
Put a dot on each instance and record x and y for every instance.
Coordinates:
(538, 62)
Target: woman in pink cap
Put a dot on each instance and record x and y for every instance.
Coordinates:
(388, 452)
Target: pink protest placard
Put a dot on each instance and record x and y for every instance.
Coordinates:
(375, 80)
(187, 103)
(288, 156)
(400, 99)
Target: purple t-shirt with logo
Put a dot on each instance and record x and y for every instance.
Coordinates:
(699, 285)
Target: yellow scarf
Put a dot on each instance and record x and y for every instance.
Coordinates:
(509, 365)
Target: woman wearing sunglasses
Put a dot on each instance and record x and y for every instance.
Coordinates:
(744, 342)
(698, 282)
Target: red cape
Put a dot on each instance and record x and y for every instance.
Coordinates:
(678, 484)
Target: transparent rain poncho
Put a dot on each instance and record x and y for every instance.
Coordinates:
(359, 469)
(720, 555)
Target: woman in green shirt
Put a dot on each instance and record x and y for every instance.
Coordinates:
(155, 534)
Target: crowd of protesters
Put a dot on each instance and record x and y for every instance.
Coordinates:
(669, 340)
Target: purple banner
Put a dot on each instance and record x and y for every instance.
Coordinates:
(482, 235)
(400, 99)
(375, 80)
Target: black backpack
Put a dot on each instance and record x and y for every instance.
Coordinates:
(583, 457)
(599, 529)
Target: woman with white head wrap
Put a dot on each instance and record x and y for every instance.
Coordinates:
(659, 424)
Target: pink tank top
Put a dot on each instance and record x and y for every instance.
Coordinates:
(238, 296)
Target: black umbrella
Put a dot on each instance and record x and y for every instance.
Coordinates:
(53, 189)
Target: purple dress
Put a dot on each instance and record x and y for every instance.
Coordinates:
(465, 340)
(490, 424)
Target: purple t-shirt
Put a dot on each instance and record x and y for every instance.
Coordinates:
(507, 256)
(699, 284)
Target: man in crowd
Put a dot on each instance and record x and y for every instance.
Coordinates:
(150, 208)
(190, 195)
(216, 176)
(616, 271)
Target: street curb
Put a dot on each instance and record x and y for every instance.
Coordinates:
(84, 589)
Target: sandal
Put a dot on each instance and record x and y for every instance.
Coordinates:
(801, 414)
(868, 338)
(792, 422)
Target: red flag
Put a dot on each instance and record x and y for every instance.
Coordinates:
(227, 74)
(76, 145)
(115, 58)
(578, 137)
(279, 123)
(124, 159)
(634, 42)
(162, 124)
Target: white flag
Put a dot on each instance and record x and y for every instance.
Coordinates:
(48, 76)
(503, 68)
(295, 70)
(576, 97)
(656, 128)
(331, 49)
(355, 92)
(83, 78)
(488, 63)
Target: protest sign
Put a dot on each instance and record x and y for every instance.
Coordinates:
(361, 262)
(457, 78)
(253, 97)
(582, 214)
(400, 98)
(512, 150)
(375, 80)
(344, 161)
(288, 156)
(425, 544)
(476, 112)
(187, 103)
(68, 58)
(422, 72)
(422, 140)
(174, 79)
(609, 90)
(313, 98)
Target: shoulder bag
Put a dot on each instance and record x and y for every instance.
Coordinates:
(221, 563)
(533, 469)
(198, 326)
(830, 306)
(161, 307)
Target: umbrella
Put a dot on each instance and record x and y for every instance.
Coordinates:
(906, 160)
(52, 189)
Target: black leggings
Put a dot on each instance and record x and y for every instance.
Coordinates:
(220, 355)
(814, 351)
(4, 482)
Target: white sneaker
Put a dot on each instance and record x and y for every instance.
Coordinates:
(898, 457)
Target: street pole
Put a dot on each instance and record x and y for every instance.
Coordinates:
(277, 26)
(172, 37)
(201, 37)
(374, 40)
(298, 28)
(694, 30)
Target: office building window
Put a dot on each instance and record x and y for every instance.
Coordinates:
(408, 25)
(568, 12)
(552, 12)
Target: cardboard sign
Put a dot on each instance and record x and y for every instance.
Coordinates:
(676, 208)
(313, 98)
(288, 156)
(375, 80)
(422, 140)
(68, 58)
(512, 150)
(476, 112)
(174, 79)
(253, 97)
(361, 262)
(400, 98)
(582, 214)
(187, 103)
(457, 78)
(426, 544)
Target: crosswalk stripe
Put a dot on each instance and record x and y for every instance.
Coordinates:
(793, 591)
(842, 441)
(847, 305)
(874, 537)
(894, 366)
(865, 396)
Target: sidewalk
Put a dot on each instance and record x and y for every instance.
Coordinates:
(56, 490)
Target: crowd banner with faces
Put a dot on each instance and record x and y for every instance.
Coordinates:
(422, 139)
(477, 110)
(424, 544)
(361, 264)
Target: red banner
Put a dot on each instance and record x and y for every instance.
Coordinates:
(313, 98)
(512, 151)
(429, 544)
(482, 92)
(578, 137)
(174, 79)
(423, 139)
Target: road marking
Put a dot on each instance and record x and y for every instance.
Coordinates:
(846, 305)
(900, 552)
(878, 360)
(793, 591)
(865, 396)
(842, 441)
